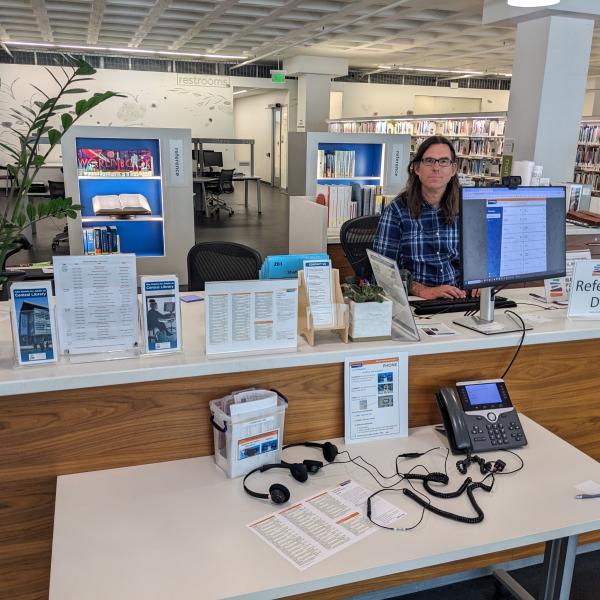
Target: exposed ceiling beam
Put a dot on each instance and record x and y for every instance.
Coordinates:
(289, 5)
(41, 16)
(201, 24)
(95, 22)
(319, 27)
(323, 31)
(149, 22)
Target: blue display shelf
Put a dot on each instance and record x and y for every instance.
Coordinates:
(140, 236)
(367, 160)
(150, 188)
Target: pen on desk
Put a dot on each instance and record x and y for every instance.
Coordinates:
(537, 297)
(586, 496)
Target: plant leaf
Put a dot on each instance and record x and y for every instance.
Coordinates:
(83, 67)
(75, 91)
(31, 211)
(67, 120)
(81, 107)
(54, 136)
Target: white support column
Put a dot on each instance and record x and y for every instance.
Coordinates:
(548, 90)
(314, 87)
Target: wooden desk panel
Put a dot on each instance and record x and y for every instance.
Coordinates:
(45, 435)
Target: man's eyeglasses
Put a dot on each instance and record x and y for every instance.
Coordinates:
(428, 161)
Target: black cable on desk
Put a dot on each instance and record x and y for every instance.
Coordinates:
(520, 343)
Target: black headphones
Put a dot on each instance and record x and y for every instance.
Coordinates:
(279, 493)
(330, 450)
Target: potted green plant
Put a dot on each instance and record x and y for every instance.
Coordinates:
(43, 123)
(370, 311)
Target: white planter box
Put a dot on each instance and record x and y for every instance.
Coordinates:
(370, 319)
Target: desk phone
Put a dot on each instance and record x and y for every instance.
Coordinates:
(479, 417)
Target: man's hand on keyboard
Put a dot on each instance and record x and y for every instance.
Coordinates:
(440, 291)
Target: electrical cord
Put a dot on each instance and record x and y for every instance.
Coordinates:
(520, 342)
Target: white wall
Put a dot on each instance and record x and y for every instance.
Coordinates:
(203, 103)
(379, 99)
(252, 119)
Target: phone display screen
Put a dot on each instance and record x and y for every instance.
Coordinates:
(483, 393)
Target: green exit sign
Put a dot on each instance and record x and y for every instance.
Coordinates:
(277, 76)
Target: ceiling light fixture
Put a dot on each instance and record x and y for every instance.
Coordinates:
(532, 3)
(239, 92)
(124, 50)
(442, 71)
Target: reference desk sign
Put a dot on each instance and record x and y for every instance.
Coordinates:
(251, 316)
(376, 397)
(584, 301)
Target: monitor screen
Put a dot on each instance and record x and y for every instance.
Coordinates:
(169, 307)
(212, 159)
(511, 235)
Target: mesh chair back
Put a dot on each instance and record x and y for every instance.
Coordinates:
(226, 181)
(356, 236)
(56, 189)
(221, 261)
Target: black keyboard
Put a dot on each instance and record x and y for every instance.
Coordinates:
(446, 305)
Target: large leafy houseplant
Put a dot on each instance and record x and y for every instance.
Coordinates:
(43, 123)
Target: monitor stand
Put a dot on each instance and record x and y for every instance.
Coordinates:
(486, 322)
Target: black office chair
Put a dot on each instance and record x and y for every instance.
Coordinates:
(221, 261)
(56, 189)
(223, 186)
(356, 236)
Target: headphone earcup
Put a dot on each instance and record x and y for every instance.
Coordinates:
(299, 472)
(330, 451)
(279, 494)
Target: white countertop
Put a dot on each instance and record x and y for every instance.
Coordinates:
(178, 529)
(193, 361)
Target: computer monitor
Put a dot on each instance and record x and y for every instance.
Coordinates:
(509, 236)
(212, 159)
(169, 307)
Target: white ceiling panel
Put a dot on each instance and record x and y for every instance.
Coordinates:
(424, 33)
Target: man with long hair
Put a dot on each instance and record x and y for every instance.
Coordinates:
(419, 230)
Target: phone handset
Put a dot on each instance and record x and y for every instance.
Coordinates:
(453, 417)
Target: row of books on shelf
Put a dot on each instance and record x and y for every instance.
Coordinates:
(101, 240)
(335, 163)
(478, 167)
(491, 147)
(454, 127)
(588, 156)
(589, 134)
(125, 163)
(349, 201)
(592, 179)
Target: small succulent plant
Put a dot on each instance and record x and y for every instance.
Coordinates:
(364, 293)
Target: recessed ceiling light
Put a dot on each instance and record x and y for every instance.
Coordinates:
(532, 3)
(124, 50)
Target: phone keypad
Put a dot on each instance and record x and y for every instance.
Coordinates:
(497, 433)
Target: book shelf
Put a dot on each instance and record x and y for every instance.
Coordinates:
(477, 138)
(352, 172)
(587, 161)
(110, 167)
(134, 186)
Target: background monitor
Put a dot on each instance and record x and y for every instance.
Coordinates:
(511, 235)
(212, 159)
(169, 307)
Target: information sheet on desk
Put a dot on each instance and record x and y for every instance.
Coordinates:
(317, 527)
(251, 316)
(96, 298)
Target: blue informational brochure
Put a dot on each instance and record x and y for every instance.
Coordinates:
(286, 266)
(161, 314)
(34, 329)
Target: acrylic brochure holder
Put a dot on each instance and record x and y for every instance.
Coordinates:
(306, 326)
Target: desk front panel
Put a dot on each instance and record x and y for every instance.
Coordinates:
(55, 433)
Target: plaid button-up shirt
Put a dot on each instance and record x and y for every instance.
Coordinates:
(427, 247)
